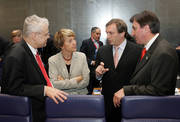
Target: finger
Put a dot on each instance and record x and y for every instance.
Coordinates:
(54, 99)
(114, 102)
(65, 93)
(107, 69)
(102, 64)
(59, 98)
(62, 95)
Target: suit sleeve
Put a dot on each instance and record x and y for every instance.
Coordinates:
(85, 74)
(60, 84)
(16, 83)
(83, 49)
(163, 74)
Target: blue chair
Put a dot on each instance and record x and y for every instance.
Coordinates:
(14, 109)
(151, 109)
(77, 108)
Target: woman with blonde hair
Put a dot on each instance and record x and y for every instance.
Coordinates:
(68, 69)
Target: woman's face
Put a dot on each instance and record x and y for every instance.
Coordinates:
(69, 44)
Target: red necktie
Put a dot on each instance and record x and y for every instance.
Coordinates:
(143, 53)
(41, 66)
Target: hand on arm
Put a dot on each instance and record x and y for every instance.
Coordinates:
(55, 94)
(117, 97)
(59, 77)
(79, 79)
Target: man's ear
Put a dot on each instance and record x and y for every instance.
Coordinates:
(33, 35)
(122, 34)
(147, 28)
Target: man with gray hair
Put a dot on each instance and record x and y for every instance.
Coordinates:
(23, 70)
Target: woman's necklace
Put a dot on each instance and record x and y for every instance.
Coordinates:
(67, 59)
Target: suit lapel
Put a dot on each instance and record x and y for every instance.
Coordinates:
(73, 62)
(141, 63)
(109, 53)
(63, 65)
(33, 60)
(92, 44)
(147, 56)
(124, 55)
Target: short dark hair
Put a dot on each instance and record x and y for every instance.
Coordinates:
(93, 29)
(120, 24)
(121, 27)
(147, 18)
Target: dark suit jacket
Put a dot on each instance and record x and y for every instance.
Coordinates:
(23, 77)
(89, 48)
(4, 46)
(156, 73)
(115, 79)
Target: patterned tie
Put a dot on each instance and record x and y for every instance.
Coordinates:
(143, 53)
(116, 55)
(41, 66)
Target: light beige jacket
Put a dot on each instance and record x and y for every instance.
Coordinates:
(78, 67)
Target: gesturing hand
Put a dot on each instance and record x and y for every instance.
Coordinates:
(100, 70)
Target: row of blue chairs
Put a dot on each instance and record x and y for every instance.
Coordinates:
(77, 108)
(90, 108)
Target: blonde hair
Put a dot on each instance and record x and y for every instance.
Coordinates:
(34, 23)
(59, 37)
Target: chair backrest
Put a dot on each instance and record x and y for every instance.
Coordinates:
(14, 109)
(151, 109)
(77, 108)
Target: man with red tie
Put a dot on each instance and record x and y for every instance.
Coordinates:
(156, 73)
(23, 70)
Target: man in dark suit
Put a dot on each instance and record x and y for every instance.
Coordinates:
(23, 71)
(116, 63)
(156, 72)
(4, 47)
(90, 47)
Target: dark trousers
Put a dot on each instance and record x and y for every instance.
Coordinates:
(112, 114)
(93, 82)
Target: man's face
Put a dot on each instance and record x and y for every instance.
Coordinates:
(96, 35)
(138, 33)
(112, 35)
(41, 37)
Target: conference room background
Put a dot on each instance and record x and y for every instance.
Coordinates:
(81, 15)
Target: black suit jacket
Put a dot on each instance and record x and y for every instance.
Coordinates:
(23, 77)
(156, 73)
(89, 48)
(116, 78)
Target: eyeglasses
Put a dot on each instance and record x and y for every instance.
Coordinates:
(46, 34)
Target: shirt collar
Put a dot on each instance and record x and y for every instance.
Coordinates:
(122, 45)
(33, 50)
(94, 40)
(148, 45)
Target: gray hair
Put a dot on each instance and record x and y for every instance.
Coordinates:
(34, 24)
